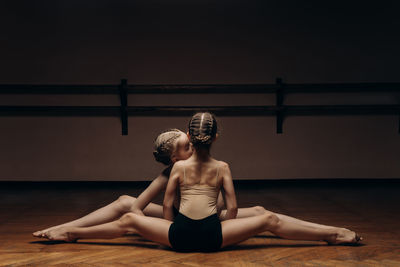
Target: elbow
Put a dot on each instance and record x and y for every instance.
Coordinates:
(168, 213)
(167, 206)
(220, 205)
(234, 210)
(168, 203)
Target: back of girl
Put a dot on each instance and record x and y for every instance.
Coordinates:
(199, 179)
(200, 183)
(199, 187)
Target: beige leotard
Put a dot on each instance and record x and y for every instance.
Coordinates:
(198, 201)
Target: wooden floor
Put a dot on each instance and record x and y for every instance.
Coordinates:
(370, 207)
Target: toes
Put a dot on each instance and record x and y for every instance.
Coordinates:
(37, 233)
(45, 235)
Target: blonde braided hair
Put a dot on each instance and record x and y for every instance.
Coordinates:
(164, 145)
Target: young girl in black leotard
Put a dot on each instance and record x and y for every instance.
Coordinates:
(199, 167)
(197, 226)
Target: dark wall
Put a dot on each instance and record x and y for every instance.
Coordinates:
(162, 42)
(199, 41)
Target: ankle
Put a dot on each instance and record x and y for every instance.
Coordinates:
(71, 233)
(332, 236)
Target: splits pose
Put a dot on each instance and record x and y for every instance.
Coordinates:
(197, 224)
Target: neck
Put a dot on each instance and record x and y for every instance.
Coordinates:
(202, 154)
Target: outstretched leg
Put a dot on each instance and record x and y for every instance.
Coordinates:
(108, 213)
(259, 210)
(154, 229)
(237, 230)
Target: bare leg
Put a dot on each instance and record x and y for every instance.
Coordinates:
(259, 210)
(108, 213)
(154, 229)
(234, 231)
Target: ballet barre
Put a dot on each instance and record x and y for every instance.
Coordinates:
(280, 110)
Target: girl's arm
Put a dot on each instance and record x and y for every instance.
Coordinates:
(229, 190)
(220, 203)
(170, 194)
(156, 186)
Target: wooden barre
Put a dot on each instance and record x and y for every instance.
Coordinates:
(123, 111)
(291, 110)
(201, 89)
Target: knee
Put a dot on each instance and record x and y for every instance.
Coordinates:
(272, 220)
(259, 210)
(125, 203)
(127, 221)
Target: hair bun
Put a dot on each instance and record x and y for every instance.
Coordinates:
(160, 157)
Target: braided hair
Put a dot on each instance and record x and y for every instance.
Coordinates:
(202, 129)
(164, 145)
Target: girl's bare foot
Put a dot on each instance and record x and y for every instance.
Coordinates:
(41, 232)
(344, 236)
(59, 234)
(37, 234)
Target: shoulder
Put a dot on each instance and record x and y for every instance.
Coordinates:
(172, 169)
(222, 164)
(177, 169)
(224, 169)
(178, 166)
